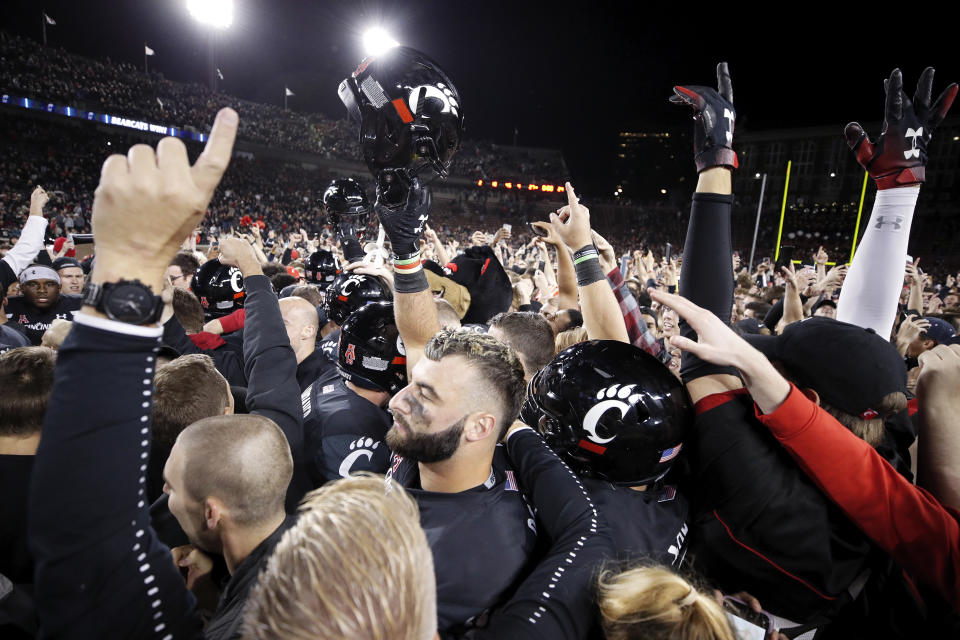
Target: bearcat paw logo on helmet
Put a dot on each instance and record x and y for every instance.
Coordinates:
(610, 398)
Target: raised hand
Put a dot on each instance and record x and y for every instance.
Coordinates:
(405, 222)
(38, 199)
(149, 201)
(713, 116)
(898, 158)
(572, 223)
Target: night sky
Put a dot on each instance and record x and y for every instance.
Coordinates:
(567, 75)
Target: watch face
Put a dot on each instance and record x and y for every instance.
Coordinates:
(129, 302)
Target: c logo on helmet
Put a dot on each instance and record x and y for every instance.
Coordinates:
(615, 397)
(346, 288)
(235, 277)
(349, 355)
(440, 92)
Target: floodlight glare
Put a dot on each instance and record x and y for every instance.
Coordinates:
(377, 40)
(214, 13)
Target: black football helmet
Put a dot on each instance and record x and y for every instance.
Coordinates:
(370, 352)
(409, 113)
(219, 288)
(346, 199)
(611, 411)
(347, 208)
(321, 267)
(350, 291)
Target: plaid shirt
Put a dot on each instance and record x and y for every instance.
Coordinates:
(637, 329)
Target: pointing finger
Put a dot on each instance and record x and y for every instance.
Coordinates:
(922, 95)
(894, 105)
(571, 194)
(723, 82)
(213, 161)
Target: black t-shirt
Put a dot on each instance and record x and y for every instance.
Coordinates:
(330, 345)
(482, 540)
(343, 432)
(34, 322)
(643, 524)
(15, 560)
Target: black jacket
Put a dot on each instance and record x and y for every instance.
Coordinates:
(101, 572)
(226, 620)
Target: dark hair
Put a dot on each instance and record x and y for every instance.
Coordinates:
(188, 310)
(187, 262)
(529, 334)
(760, 309)
(576, 318)
(26, 380)
(271, 269)
(187, 389)
(282, 280)
(309, 293)
(497, 364)
(647, 311)
(772, 293)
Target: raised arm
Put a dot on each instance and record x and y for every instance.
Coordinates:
(30, 243)
(918, 532)
(897, 163)
(601, 312)
(269, 363)
(566, 275)
(707, 276)
(413, 304)
(938, 442)
(100, 570)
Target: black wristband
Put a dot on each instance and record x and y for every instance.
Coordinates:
(584, 250)
(588, 271)
(410, 282)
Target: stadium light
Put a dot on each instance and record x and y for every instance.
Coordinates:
(376, 40)
(213, 13)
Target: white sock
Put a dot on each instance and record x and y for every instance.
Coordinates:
(872, 288)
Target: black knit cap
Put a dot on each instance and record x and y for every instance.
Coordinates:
(850, 368)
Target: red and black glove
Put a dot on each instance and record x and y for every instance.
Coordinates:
(713, 116)
(899, 157)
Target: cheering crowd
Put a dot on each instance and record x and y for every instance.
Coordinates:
(364, 417)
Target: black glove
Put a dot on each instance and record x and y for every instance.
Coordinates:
(713, 116)
(404, 208)
(348, 237)
(899, 157)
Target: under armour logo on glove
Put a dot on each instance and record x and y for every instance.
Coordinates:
(913, 151)
(882, 220)
(712, 134)
(899, 157)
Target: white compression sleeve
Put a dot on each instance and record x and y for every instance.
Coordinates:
(872, 288)
(28, 246)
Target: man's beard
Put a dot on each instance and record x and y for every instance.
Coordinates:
(425, 447)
